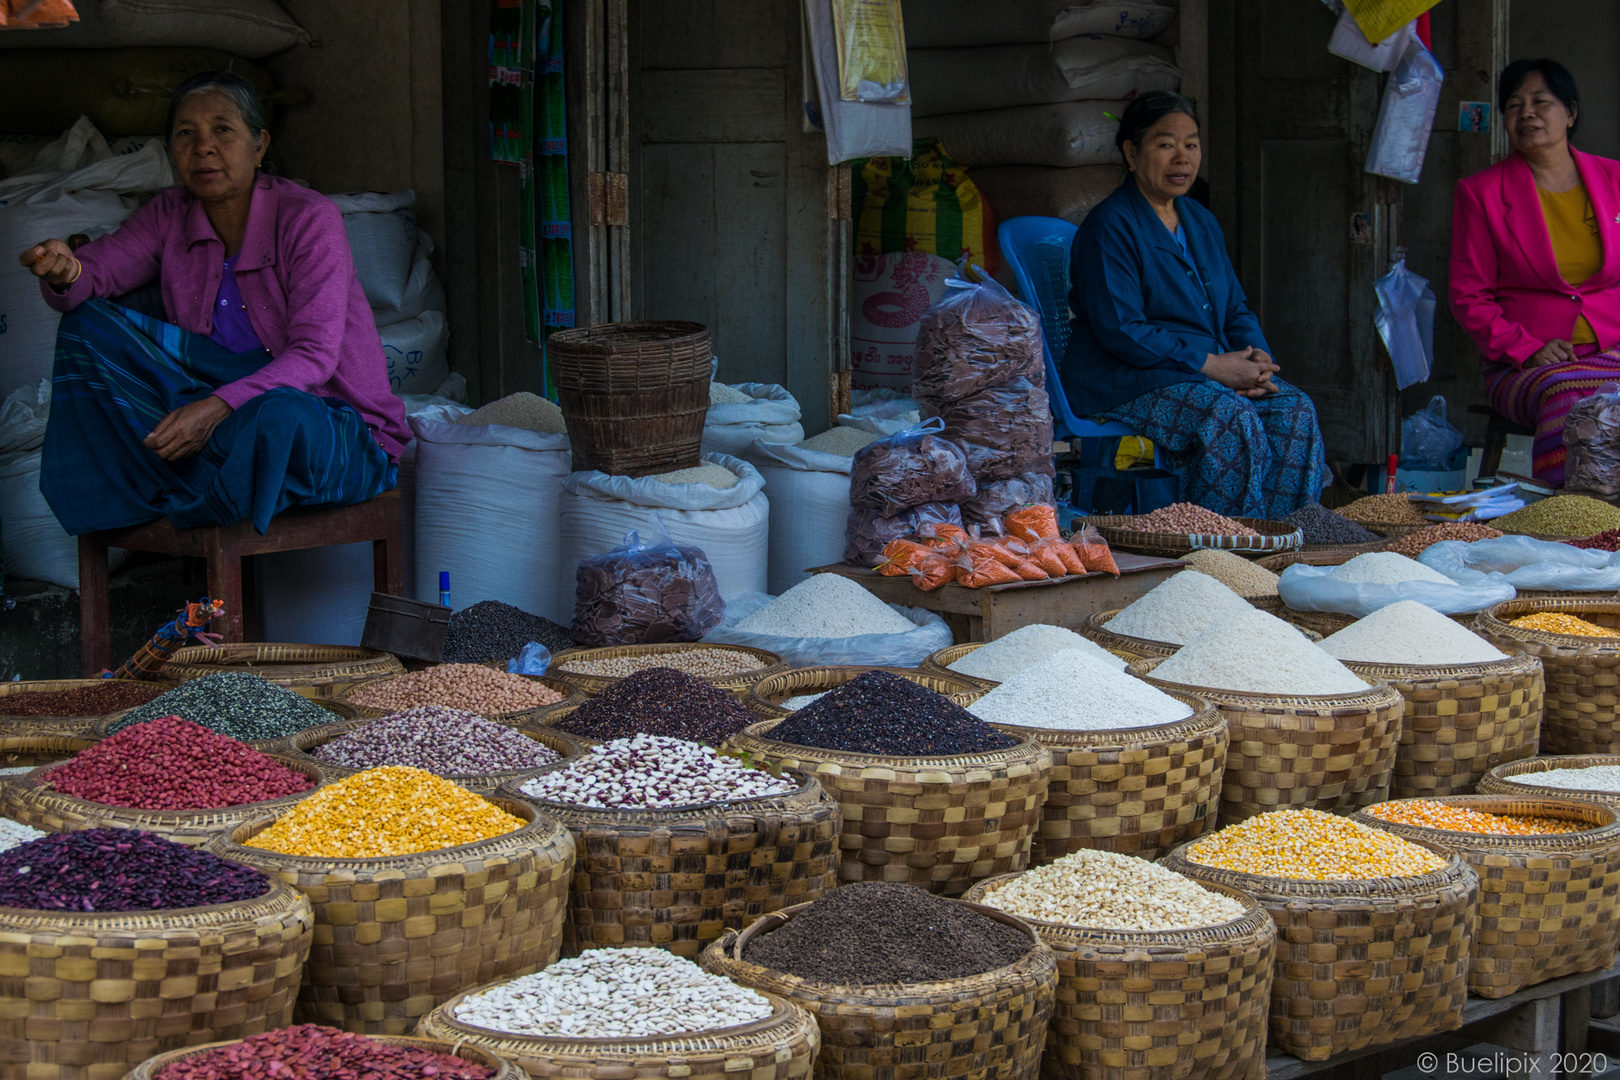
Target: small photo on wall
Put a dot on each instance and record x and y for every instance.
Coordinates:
(1474, 116)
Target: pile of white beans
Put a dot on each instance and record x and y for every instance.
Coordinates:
(614, 994)
(653, 771)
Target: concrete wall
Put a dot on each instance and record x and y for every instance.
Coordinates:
(1582, 35)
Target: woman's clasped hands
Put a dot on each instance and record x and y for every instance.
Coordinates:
(1248, 371)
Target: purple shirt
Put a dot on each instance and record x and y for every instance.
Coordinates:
(295, 274)
(232, 327)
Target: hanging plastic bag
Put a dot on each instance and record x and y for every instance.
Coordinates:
(644, 594)
(1405, 321)
(534, 659)
(1411, 96)
(906, 649)
(871, 52)
(1592, 443)
(978, 336)
(1427, 438)
(1527, 563)
(1313, 588)
(908, 469)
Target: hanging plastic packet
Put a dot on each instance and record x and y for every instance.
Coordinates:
(1094, 551)
(534, 659)
(1406, 117)
(871, 52)
(1404, 320)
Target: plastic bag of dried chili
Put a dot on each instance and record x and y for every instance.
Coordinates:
(643, 594)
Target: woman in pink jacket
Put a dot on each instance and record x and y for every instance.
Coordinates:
(1535, 261)
(265, 388)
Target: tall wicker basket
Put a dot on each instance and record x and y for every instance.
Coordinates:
(1583, 673)
(990, 1026)
(1460, 720)
(303, 746)
(1136, 791)
(396, 936)
(1548, 905)
(316, 671)
(500, 1068)
(634, 394)
(1330, 752)
(678, 878)
(91, 996)
(1158, 1003)
(1361, 963)
(938, 822)
(27, 727)
(783, 1046)
(1517, 779)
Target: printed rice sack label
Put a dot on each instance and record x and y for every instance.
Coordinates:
(890, 293)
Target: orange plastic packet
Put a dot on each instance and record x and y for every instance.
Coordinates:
(930, 573)
(943, 536)
(980, 567)
(1034, 522)
(1028, 571)
(1056, 547)
(899, 556)
(1093, 551)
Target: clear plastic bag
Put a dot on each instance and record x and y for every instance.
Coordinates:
(907, 469)
(534, 659)
(1404, 320)
(907, 649)
(1427, 438)
(1527, 563)
(1312, 588)
(868, 532)
(978, 336)
(1005, 430)
(644, 594)
(1406, 117)
(1592, 443)
(998, 498)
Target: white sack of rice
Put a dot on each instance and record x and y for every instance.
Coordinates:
(1179, 609)
(1386, 568)
(721, 394)
(843, 441)
(826, 606)
(1073, 691)
(1025, 647)
(716, 476)
(1410, 633)
(1259, 654)
(520, 410)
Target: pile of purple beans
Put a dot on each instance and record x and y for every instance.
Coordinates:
(110, 870)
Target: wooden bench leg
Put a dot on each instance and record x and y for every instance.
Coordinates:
(1490, 458)
(95, 608)
(225, 584)
(388, 563)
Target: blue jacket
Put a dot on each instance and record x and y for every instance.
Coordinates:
(1145, 314)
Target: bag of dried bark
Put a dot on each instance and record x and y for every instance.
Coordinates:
(1005, 431)
(1592, 443)
(998, 498)
(977, 336)
(909, 468)
(644, 594)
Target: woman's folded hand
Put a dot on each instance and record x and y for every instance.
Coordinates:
(187, 430)
(52, 260)
(1556, 351)
(1246, 371)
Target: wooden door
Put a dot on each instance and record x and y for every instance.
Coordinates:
(728, 193)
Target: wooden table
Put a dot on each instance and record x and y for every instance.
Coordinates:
(997, 610)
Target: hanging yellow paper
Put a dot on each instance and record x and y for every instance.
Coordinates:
(871, 52)
(1380, 18)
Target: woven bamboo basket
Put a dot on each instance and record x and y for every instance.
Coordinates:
(1327, 556)
(1123, 645)
(303, 746)
(1136, 791)
(765, 697)
(1460, 720)
(940, 663)
(572, 696)
(501, 1069)
(1350, 550)
(1361, 963)
(679, 878)
(30, 799)
(396, 936)
(1189, 1004)
(278, 745)
(1582, 713)
(1332, 752)
(1517, 779)
(634, 394)
(32, 751)
(28, 727)
(1547, 904)
(91, 996)
(1325, 624)
(1117, 530)
(991, 1025)
(783, 1046)
(768, 664)
(318, 671)
(941, 823)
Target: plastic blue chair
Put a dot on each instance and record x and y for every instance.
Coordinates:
(1037, 249)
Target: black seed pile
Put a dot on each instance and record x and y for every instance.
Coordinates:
(234, 704)
(659, 701)
(1322, 526)
(120, 870)
(881, 713)
(877, 932)
(490, 630)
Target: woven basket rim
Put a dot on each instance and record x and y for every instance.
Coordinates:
(1509, 772)
(143, 920)
(1254, 918)
(243, 654)
(658, 330)
(34, 784)
(513, 789)
(1205, 717)
(226, 846)
(572, 695)
(558, 669)
(939, 662)
(758, 703)
(1495, 620)
(1509, 665)
(101, 728)
(1604, 833)
(329, 732)
(1262, 886)
(988, 758)
(51, 686)
(1099, 620)
(1142, 669)
(1274, 535)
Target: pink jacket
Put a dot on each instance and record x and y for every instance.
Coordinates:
(1505, 287)
(297, 278)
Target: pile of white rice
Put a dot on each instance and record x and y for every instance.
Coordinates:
(521, 410)
(826, 606)
(1260, 654)
(1386, 568)
(716, 476)
(1005, 657)
(721, 394)
(1410, 633)
(1179, 609)
(843, 441)
(1073, 691)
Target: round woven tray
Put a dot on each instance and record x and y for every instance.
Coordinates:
(765, 696)
(1460, 720)
(31, 752)
(572, 696)
(1327, 623)
(278, 745)
(1350, 549)
(940, 663)
(1140, 1003)
(31, 800)
(303, 746)
(500, 1068)
(1517, 779)
(26, 727)
(1118, 531)
(768, 663)
(1361, 962)
(941, 823)
(1582, 714)
(1333, 556)
(396, 936)
(87, 996)
(783, 1046)
(1547, 903)
(1331, 752)
(716, 867)
(311, 670)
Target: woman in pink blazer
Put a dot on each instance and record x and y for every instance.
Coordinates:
(1535, 261)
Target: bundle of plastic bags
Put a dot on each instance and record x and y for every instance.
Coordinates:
(1313, 588)
(1526, 563)
(898, 484)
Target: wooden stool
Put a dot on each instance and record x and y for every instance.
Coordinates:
(1497, 429)
(224, 547)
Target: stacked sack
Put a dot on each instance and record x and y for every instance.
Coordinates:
(1020, 94)
(980, 368)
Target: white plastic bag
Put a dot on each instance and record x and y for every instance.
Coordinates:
(772, 416)
(1312, 588)
(888, 650)
(855, 129)
(1401, 138)
(809, 496)
(1427, 437)
(1405, 320)
(1527, 563)
(1349, 42)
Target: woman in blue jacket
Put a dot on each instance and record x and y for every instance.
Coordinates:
(1163, 340)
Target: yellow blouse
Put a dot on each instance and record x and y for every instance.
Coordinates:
(1573, 228)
